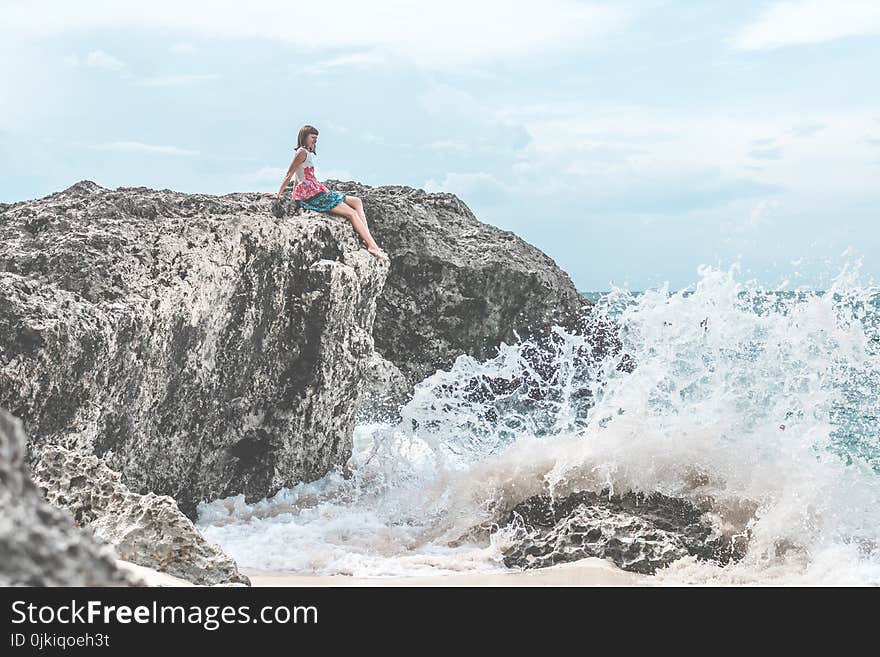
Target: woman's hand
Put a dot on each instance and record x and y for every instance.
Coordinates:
(272, 195)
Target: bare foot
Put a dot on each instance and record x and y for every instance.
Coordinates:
(379, 253)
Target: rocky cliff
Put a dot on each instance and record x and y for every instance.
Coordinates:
(164, 344)
(202, 346)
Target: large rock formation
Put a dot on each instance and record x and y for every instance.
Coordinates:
(158, 343)
(208, 346)
(39, 546)
(148, 530)
(202, 346)
(456, 285)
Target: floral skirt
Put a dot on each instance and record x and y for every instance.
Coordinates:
(323, 201)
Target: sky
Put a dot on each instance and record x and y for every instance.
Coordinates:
(632, 141)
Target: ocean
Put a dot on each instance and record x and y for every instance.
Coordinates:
(759, 406)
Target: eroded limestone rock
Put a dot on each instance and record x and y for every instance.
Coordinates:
(456, 285)
(201, 345)
(148, 530)
(39, 545)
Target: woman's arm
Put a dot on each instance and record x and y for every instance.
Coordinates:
(298, 159)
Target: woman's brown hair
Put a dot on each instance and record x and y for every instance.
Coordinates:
(304, 132)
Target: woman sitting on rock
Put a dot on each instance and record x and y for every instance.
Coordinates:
(313, 195)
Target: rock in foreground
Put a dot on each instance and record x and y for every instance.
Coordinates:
(148, 530)
(39, 546)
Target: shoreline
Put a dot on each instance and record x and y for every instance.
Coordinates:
(584, 572)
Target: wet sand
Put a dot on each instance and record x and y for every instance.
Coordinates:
(586, 572)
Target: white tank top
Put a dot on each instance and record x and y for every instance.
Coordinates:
(308, 162)
(307, 184)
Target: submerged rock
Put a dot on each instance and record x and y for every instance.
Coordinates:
(638, 532)
(202, 346)
(456, 285)
(39, 546)
(148, 530)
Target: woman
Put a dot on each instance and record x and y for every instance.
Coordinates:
(312, 195)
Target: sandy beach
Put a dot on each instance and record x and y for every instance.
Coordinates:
(586, 572)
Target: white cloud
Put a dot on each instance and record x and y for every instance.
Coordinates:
(138, 147)
(476, 186)
(807, 129)
(101, 59)
(633, 157)
(766, 153)
(761, 211)
(266, 174)
(759, 215)
(470, 122)
(176, 80)
(449, 146)
(183, 49)
(809, 21)
(95, 59)
(360, 60)
(445, 34)
(452, 103)
(341, 129)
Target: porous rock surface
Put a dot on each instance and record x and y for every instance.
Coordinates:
(39, 544)
(456, 285)
(202, 346)
(638, 532)
(148, 530)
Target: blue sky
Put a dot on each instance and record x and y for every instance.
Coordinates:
(632, 141)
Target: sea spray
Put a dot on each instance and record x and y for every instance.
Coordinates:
(759, 406)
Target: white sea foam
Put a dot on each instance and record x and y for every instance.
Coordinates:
(762, 405)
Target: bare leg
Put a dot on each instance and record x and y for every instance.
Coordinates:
(356, 203)
(360, 228)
